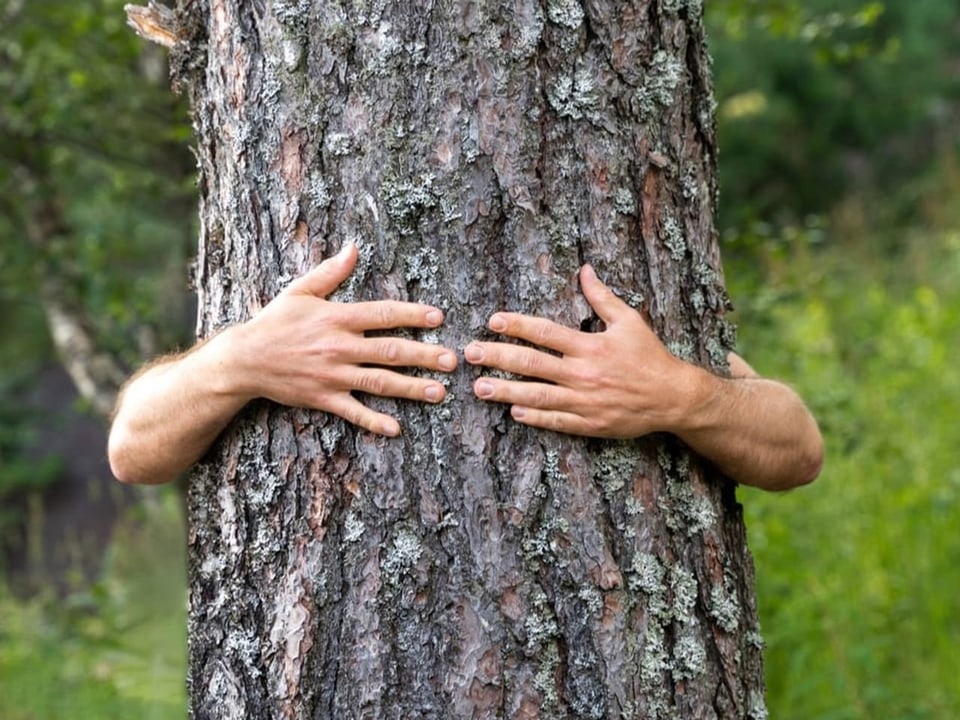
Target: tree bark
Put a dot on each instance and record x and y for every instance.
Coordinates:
(478, 153)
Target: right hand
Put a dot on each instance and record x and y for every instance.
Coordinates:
(304, 351)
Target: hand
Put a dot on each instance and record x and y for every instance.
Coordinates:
(305, 351)
(619, 383)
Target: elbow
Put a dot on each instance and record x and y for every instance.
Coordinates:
(812, 463)
(121, 455)
(808, 465)
(130, 461)
(117, 457)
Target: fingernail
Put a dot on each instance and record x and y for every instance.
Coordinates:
(434, 317)
(473, 353)
(433, 393)
(588, 270)
(447, 361)
(390, 428)
(518, 413)
(498, 323)
(484, 389)
(344, 250)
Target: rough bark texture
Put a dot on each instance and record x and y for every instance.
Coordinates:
(478, 153)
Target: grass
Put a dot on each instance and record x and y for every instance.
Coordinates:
(114, 651)
(858, 574)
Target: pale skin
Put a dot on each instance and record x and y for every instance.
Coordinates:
(303, 350)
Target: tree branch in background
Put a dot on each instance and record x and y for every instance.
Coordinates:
(96, 374)
(155, 23)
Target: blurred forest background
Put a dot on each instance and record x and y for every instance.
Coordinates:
(840, 223)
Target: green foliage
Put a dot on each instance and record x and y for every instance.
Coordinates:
(857, 575)
(19, 474)
(92, 150)
(95, 194)
(819, 96)
(115, 651)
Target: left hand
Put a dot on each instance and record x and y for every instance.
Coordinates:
(619, 383)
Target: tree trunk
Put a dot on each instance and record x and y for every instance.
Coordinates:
(478, 153)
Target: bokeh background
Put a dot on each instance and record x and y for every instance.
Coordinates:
(840, 223)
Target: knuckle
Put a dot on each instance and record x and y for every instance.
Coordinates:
(386, 314)
(531, 364)
(599, 427)
(327, 350)
(321, 401)
(589, 376)
(372, 383)
(542, 333)
(389, 351)
(354, 415)
(541, 397)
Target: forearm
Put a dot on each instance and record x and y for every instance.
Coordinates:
(168, 415)
(756, 431)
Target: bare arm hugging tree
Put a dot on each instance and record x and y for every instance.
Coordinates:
(301, 350)
(307, 353)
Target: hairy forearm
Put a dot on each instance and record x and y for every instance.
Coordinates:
(169, 414)
(756, 431)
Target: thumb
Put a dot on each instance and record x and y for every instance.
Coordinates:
(327, 276)
(601, 298)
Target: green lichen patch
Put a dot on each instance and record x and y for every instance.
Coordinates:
(756, 706)
(615, 466)
(724, 608)
(663, 77)
(423, 267)
(574, 95)
(673, 238)
(693, 7)
(624, 201)
(353, 528)
(684, 587)
(685, 510)
(689, 655)
(567, 13)
(407, 198)
(401, 556)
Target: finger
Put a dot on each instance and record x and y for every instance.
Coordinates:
(564, 422)
(386, 383)
(516, 359)
(356, 413)
(538, 331)
(531, 394)
(399, 352)
(601, 298)
(389, 315)
(327, 276)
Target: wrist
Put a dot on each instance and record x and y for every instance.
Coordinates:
(698, 393)
(224, 361)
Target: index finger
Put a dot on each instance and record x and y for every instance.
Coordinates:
(389, 314)
(538, 331)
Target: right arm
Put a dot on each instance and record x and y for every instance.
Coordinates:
(300, 350)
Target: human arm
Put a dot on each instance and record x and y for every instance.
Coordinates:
(300, 350)
(623, 383)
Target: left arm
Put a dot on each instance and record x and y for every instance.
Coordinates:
(756, 431)
(623, 383)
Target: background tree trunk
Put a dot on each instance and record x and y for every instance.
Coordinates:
(478, 153)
